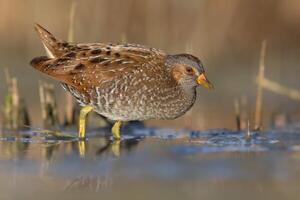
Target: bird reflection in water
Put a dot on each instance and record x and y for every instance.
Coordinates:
(108, 146)
(23, 146)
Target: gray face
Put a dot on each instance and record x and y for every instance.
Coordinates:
(187, 68)
(189, 60)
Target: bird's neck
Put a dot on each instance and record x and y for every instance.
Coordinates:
(188, 98)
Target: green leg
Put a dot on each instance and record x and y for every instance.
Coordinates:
(116, 130)
(82, 120)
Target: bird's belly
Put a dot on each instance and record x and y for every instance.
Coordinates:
(143, 112)
(142, 106)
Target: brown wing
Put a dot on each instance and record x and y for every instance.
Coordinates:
(92, 64)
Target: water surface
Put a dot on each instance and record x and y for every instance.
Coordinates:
(152, 163)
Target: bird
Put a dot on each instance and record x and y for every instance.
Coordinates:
(122, 82)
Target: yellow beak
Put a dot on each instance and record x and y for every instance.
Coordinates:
(202, 80)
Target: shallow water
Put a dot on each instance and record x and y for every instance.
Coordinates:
(152, 163)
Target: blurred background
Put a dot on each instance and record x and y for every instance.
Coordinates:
(225, 35)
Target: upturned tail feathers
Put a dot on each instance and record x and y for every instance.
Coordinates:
(54, 47)
(51, 64)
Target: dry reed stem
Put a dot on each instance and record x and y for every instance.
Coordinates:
(280, 89)
(264, 83)
(248, 133)
(15, 103)
(237, 114)
(69, 109)
(48, 105)
(42, 100)
(71, 21)
(259, 94)
(15, 113)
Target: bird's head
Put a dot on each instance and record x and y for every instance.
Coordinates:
(188, 71)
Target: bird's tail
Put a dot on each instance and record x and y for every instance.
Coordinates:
(53, 46)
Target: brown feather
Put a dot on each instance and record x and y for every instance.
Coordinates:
(91, 65)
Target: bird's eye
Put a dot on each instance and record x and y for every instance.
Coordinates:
(189, 70)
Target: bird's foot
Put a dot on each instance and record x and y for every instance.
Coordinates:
(116, 132)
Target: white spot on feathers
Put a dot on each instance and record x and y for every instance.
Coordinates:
(49, 53)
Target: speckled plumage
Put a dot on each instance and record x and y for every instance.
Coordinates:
(122, 81)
